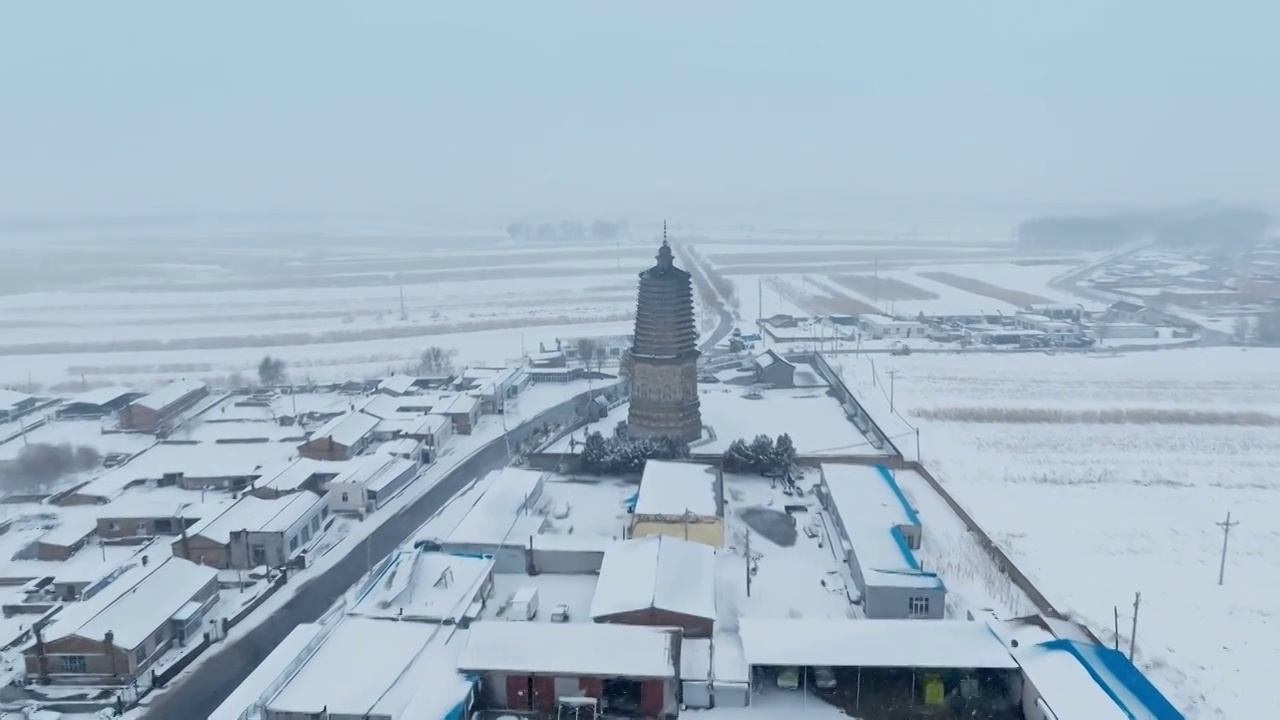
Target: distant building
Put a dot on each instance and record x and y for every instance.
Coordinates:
(1127, 312)
(118, 634)
(397, 385)
(150, 413)
(1064, 313)
(664, 374)
(682, 500)
(14, 404)
(773, 369)
(548, 359)
(102, 402)
(880, 531)
(883, 326)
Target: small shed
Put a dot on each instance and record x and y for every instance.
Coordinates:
(659, 581)
(342, 438)
(773, 369)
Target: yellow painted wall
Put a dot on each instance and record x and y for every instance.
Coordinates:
(706, 531)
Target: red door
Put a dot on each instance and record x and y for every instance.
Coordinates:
(518, 692)
(651, 700)
(592, 687)
(544, 693)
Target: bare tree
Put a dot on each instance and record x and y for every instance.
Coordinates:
(271, 371)
(436, 360)
(626, 365)
(587, 351)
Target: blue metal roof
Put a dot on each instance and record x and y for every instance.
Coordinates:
(897, 491)
(1104, 664)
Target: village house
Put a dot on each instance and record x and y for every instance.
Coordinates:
(370, 482)
(773, 369)
(397, 385)
(255, 532)
(342, 438)
(151, 413)
(114, 637)
(883, 326)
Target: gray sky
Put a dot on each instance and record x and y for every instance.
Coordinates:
(706, 111)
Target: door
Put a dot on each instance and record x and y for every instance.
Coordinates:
(591, 687)
(651, 698)
(544, 693)
(518, 692)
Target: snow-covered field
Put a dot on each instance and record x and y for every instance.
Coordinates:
(1060, 459)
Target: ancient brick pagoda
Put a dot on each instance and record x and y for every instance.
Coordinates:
(664, 352)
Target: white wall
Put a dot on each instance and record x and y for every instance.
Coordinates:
(354, 501)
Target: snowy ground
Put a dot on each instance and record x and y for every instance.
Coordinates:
(811, 416)
(1095, 504)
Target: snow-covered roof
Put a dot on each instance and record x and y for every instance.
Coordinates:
(169, 394)
(872, 509)
(12, 398)
(426, 586)
(346, 430)
(135, 615)
(695, 659)
(490, 521)
(292, 476)
(390, 472)
(887, 321)
(605, 649)
(458, 405)
(419, 425)
(399, 384)
(267, 673)
(365, 664)
(728, 659)
(658, 572)
(403, 446)
(769, 358)
(193, 460)
(873, 643)
(72, 529)
(257, 515)
(1065, 685)
(676, 488)
(1123, 683)
(100, 396)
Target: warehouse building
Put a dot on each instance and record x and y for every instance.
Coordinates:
(879, 532)
(255, 532)
(99, 403)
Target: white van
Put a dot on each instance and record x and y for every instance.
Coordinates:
(524, 604)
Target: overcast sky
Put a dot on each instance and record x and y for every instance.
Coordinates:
(700, 110)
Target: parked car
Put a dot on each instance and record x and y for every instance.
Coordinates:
(560, 614)
(789, 678)
(824, 678)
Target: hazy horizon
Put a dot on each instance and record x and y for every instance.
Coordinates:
(716, 112)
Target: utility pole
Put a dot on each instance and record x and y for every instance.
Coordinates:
(892, 374)
(1133, 634)
(748, 563)
(1226, 526)
(403, 315)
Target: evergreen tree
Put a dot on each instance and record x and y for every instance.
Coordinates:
(761, 453)
(784, 453)
(595, 452)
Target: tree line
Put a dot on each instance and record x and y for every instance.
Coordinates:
(1221, 227)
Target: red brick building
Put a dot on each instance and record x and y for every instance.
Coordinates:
(151, 413)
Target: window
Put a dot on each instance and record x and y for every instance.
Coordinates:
(142, 529)
(293, 543)
(140, 655)
(257, 555)
(113, 527)
(918, 607)
(315, 523)
(346, 497)
(306, 534)
(324, 511)
(74, 664)
(164, 526)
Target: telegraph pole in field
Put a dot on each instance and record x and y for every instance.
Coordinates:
(748, 563)
(1133, 633)
(892, 374)
(1226, 526)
